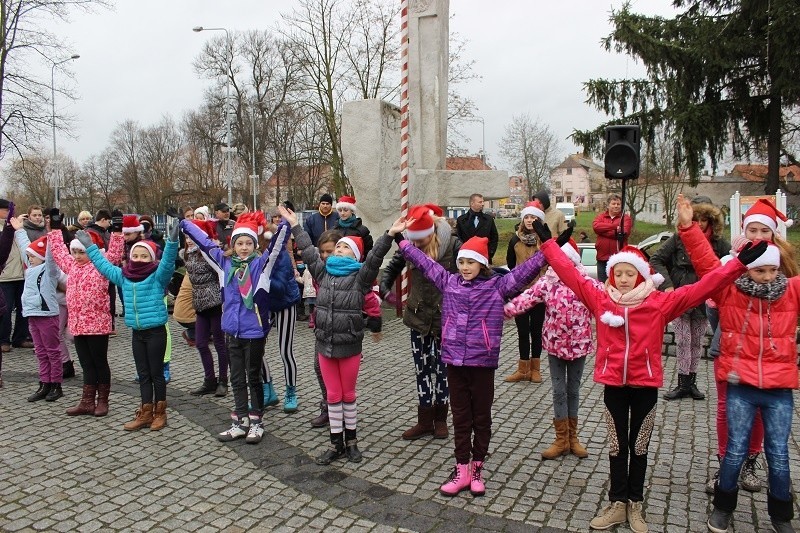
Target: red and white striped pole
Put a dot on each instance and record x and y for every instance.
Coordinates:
(403, 137)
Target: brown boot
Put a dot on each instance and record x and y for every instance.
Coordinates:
(536, 375)
(522, 373)
(159, 416)
(424, 424)
(440, 421)
(103, 391)
(575, 446)
(144, 417)
(561, 444)
(86, 405)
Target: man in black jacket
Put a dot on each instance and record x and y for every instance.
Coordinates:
(477, 223)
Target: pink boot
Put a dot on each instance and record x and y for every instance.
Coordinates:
(458, 480)
(476, 485)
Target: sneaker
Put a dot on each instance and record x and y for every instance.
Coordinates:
(239, 428)
(611, 515)
(290, 400)
(748, 479)
(719, 521)
(711, 483)
(255, 432)
(635, 517)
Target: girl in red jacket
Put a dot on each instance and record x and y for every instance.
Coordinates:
(631, 315)
(758, 319)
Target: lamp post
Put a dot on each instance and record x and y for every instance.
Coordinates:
(254, 175)
(227, 150)
(483, 138)
(56, 178)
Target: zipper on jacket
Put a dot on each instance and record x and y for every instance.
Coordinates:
(627, 350)
(760, 344)
(135, 310)
(486, 335)
(605, 364)
(647, 358)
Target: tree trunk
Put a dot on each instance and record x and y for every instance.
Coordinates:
(774, 145)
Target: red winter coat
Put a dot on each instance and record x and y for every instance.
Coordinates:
(87, 289)
(745, 344)
(606, 228)
(631, 353)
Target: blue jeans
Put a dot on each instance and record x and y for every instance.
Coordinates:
(776, 410)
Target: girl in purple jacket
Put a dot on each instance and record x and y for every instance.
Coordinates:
(472, 324)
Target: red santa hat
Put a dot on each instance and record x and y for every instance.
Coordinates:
(38, 247)
(532, 208)
(150, 246)
(571, 250)
(251, 224)
(424, 223)
(764, 211)
(131, 224)
(347, 201)
(97, 239)
(75, 244)
(206, 226)
(634, 256)
(476, 248)
(356, 244)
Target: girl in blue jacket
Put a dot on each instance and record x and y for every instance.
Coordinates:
(245, 314)
(143, 281)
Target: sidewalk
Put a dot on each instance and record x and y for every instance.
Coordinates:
(60, 473)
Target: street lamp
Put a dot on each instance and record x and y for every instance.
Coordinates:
(56, 178)
(227, 150)
(254, 175)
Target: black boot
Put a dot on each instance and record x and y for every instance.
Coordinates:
(301, 312)
(222, 388)
(694, 392)
(335, 451)
(351, 446)
(55, 392)
(41, 393)
(69, 370)
(322, 420)
(209, 386)
(780, 513)
(681, 391)
(724, 505)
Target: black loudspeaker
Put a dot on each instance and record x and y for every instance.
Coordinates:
(622, 152)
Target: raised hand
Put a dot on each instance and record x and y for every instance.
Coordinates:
(84, 238)
(751, 252)
(563, 237)
(174, 231)
(684, 210)
(288, 215)
(11, 210)
(16, 222)
(116, 221)
(174, 213)
(399, 225)
(55, 218)
(542, 231)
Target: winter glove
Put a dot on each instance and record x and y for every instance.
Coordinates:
(542, 231)
(55, 218)
(84, 238)
(116, 221)
(174, 213)
(11, 209)
(751, 252)
(563, 237)
(174, 231)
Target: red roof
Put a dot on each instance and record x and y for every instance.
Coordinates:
(466, 163)
(759, 172)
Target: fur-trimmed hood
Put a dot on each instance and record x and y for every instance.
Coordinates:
(712, 213)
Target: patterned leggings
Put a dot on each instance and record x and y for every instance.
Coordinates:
(431, 373)
(689, 333)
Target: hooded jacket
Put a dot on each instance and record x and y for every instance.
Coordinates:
(39, 297)
(758, 338)
(630, 354)
(472, 311)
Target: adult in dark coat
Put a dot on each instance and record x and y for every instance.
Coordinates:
(477, 223)
(323, 220)
(224, 224)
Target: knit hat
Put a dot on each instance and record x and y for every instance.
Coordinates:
(75, 244)
(347, 201)
(38, 247)
(356, 244)
(633, 256)
(423, 224)
(326, 198)
(764, 211)
(131, 224)
(476, 248)
(532, 208)
(770, 257)
(570, 249)
(250, 224)
(203, 210)
(150, 246)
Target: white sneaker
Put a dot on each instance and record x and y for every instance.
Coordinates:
(255, 433)
(237, 430)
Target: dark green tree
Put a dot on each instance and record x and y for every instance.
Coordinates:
(721, 75)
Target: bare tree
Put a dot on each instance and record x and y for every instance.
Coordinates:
(96, 171)
(201, 182)
(531, 149)
(665, 160)
(160, 164)
(126, 157)
(460, 109)
(29, 179)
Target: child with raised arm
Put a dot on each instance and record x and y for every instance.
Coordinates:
(631, 315)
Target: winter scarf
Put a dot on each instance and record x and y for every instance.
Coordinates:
(631, 298)
(349, 223)
(766, 291)
(528, 239)
(341, 266)
(240, 269)
(139, 270)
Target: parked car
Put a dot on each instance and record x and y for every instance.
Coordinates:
(652, 243)
(568, 208)
(648, 246)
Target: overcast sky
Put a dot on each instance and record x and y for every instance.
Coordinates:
(532, 56)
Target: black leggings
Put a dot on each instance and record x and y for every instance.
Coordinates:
(148, 347)
(529, 330)
(93, 357)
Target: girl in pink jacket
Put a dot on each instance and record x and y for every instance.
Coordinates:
(567, 337)
(89, 318)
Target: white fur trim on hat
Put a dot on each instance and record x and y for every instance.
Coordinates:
(413, 235)
(632, 259)
(34, 253)
(134, 229)
(348, 205)
(471, 254)
(611, 319)
(570, 252)
(146, 246)
(530, 210)
(764, 219)
(75, 244)
(243, 230)
(353, 246)
(770, 257)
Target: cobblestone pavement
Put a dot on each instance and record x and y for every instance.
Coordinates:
(60, 473)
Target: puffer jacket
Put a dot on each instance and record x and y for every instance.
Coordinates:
(237, 319)
(630, 354)
(205, 288)
(423, 310)
(87, 290)
(472, 311)
(144, 300)
(358, 229)
(39, 296)
(284, 292)
(758, 338)
(340, 322)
